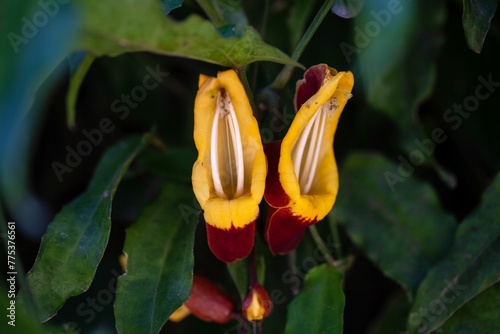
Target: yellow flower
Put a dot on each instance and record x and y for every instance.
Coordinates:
(229, 174)
(302, 183)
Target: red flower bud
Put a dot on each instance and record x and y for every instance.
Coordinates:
(208, 302)
(258, 304)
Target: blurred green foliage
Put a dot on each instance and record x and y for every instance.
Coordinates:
(417, 215)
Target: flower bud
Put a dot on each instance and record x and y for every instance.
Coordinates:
(208, 302)
(258, 304)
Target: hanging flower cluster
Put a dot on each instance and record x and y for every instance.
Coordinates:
(231, 176)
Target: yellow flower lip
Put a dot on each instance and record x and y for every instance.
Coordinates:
(229, 174)
(302, 184)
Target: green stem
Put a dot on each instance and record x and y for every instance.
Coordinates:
(244, 80)
(74, 87)
(322, 247)
(336, 238)
(285, 74)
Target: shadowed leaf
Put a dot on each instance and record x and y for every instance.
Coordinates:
(75, 241)
(159, 247)
(471, 266)
(476, 19)
(401, 226)
(322, 300)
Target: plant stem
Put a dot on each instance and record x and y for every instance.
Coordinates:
(334, 228)
(244, 80)
(74, 88)
(322, 247)
(285, 74)
(253, 268)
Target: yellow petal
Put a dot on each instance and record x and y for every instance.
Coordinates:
(313, 193)
(227, 205)
(179, 314)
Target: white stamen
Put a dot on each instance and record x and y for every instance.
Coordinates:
(300, 146)
(214, 157)
(310, 140)
(230, 150)
(312, 163)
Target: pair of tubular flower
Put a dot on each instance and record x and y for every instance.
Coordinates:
(231, 175)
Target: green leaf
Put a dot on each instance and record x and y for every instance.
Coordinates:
(173, 164)
(476, 19)
(74, 86)
(170, 5)
(31, 65)
(480, 315)
(347, 8)
(297, 20)
(140, 25)
(322, 300)
(409, 33)
(75, 241)
(159, 274)
(225, 13)
(471, 266)
(402, 229)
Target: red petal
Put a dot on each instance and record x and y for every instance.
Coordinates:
(284, 231)
(274, 193)
(233, 244)
(310, 85)
(208, 302)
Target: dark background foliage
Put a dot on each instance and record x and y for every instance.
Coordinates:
(407, 227)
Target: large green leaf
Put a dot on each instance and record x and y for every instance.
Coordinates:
(140, 25)
(30, 56)
(159, 274)
(476, 19)
(403, 230)
(480, 315)
(75, 241)
(409, 34)
(471, 266)
(322, 300)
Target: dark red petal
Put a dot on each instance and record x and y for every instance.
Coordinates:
(274, 193)
(208, 302)
(284, 231)
(310, 85)
(233, 244)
